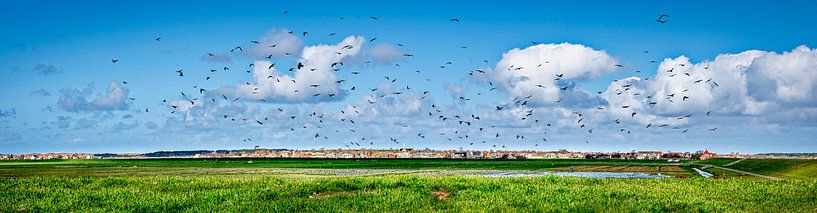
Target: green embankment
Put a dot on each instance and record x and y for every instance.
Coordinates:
(781, 168)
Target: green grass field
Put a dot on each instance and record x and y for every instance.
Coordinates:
(717, 161)
(195, 185)
(721, 173)
(782, 168)
(401, 194)
(107, 167)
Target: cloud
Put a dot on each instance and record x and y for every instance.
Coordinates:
(207, 115)
(216, 57)
(10, 113)
(62, 122)
(384, 104)
(75, 100)
(122, 126)
(41, 92)
(151, 125)
(385, 54)
(276, 43)
(86, 123)
(768, 85)
(10, 136)
(46, 70)
(789, 77)
(315, 82)
(455, 90)
(533, 71)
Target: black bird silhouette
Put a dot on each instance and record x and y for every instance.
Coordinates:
(661, 18)
(114, 61)
(455, 20)
(181, 72)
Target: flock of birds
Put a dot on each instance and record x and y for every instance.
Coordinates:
(464, 126)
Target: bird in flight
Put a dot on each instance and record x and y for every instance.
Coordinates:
(455, 20)
(661, 18)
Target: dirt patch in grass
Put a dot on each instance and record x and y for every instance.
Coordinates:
(440, 195)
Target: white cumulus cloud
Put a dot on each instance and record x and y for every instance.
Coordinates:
(76, 100)
(534, 71)
(276, 43)
(751, 83)
(315, 81)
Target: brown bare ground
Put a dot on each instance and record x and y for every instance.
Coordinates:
(440, 195)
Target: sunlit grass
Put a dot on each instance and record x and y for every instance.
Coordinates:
(401, 194)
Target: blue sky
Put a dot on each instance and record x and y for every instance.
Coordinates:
(51, 52)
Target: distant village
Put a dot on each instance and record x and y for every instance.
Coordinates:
(408, 153)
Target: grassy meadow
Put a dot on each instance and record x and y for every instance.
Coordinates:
(401, 194)
(276, 185)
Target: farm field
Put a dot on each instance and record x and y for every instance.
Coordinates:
(193, 185)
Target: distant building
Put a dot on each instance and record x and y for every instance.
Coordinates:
(648, 155)
(707, 155)
(344, 155)
(459, 155)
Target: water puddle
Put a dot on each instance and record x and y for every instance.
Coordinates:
(703, 173)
